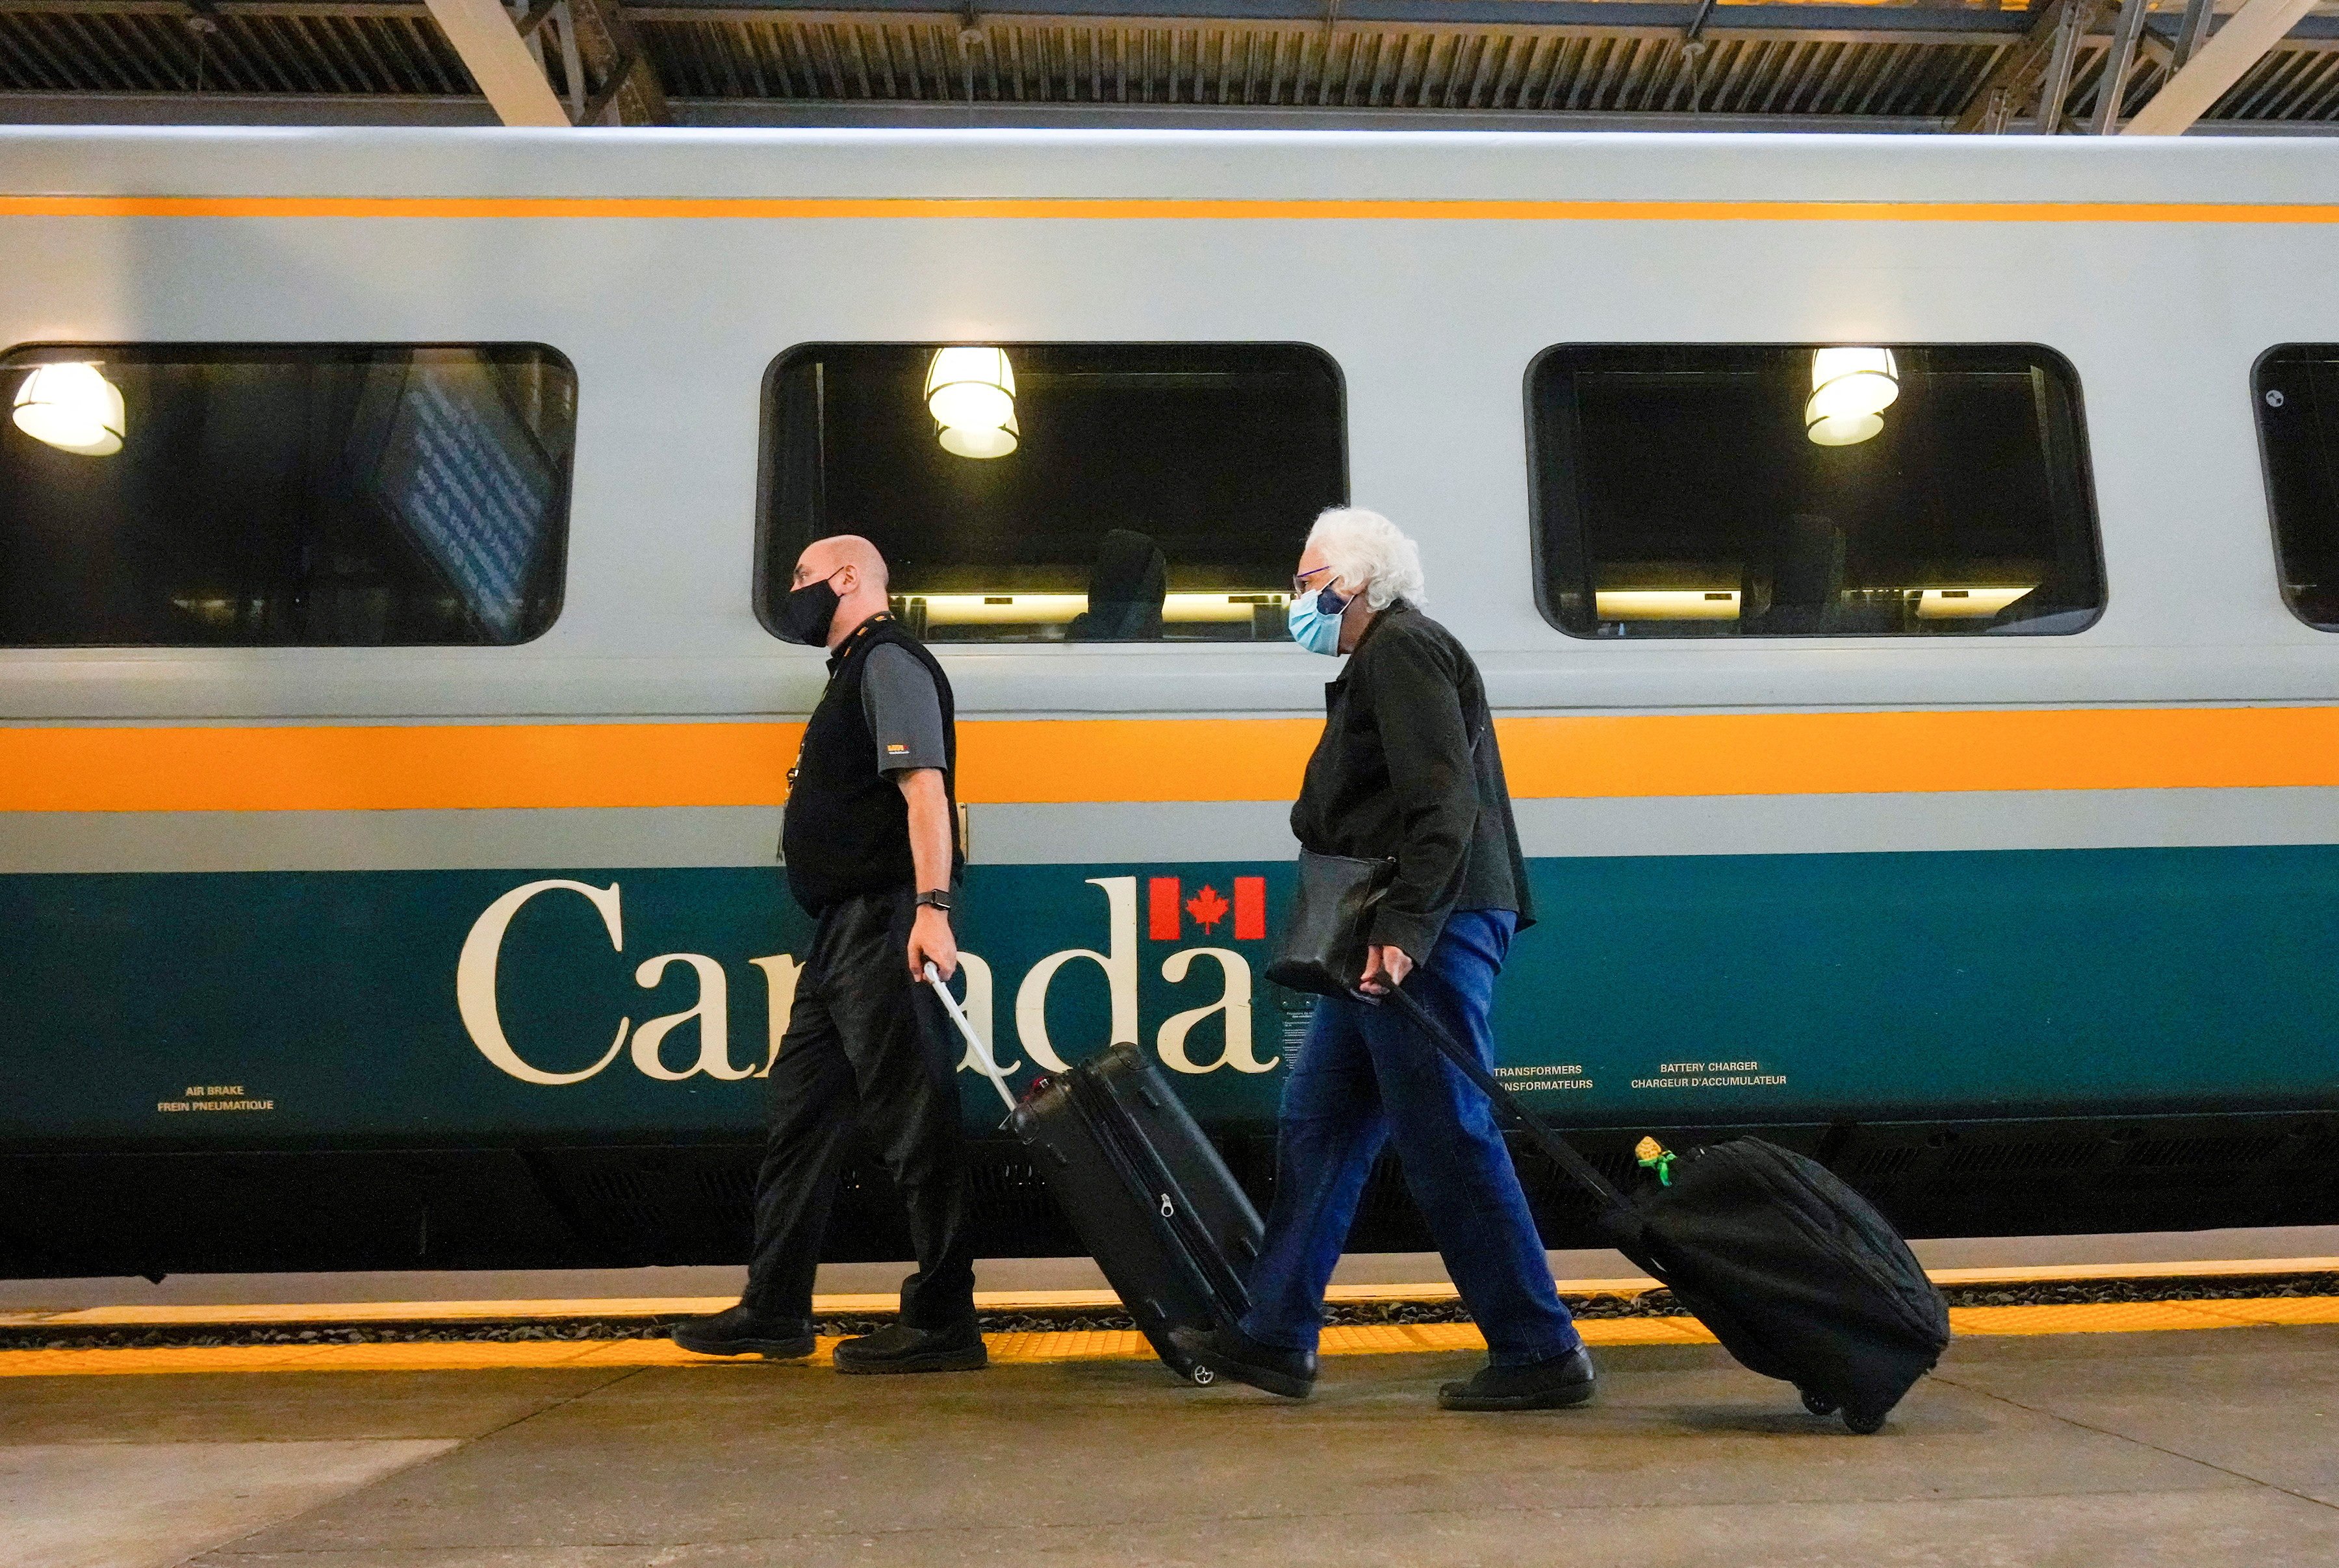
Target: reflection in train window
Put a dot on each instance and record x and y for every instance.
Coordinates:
(253, 495)
(2297, 388)
(1709, 490)
(1058, 492)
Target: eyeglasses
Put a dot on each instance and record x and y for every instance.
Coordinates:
(1299, 583)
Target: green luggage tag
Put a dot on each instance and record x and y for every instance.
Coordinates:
(1657, 1158)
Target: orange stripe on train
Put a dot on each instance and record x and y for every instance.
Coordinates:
(1124, 208)
(364, 767)
(361, 767)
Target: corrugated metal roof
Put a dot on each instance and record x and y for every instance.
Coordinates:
(1306, 67)
(1621, 62)
(392, 50)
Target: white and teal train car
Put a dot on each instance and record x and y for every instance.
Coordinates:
(1907, 571)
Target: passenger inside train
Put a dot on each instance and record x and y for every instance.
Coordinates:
(1126, 590)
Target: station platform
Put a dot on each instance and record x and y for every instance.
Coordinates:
(2088, 1419)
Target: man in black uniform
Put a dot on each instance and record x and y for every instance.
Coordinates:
(870, 848)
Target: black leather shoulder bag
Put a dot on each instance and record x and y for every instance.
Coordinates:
(1330, 922)
(1331, 915)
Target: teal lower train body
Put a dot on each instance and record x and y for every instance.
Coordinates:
(564, 1065)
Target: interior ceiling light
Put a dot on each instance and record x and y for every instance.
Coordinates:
(1949, 604)
(971, 392)
(73, 408)
(1850, 390)
(1666, 603)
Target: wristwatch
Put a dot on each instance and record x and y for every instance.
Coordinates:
(941, 900)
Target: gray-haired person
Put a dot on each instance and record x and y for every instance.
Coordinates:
(1407, 768)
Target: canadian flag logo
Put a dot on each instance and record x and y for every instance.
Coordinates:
(1168, 909)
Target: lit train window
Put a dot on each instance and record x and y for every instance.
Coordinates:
(278, 495)
(2297, 388)
(1058, 492)
(1732, 491)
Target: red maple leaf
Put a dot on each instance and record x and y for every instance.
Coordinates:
(1207, 907)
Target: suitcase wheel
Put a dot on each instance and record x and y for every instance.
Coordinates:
(1864, 1423)
(1817, 1403)
(1202, 1375)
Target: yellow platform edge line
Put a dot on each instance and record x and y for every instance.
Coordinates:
(1056, 1346)
(887, 1303)
(877, 1305)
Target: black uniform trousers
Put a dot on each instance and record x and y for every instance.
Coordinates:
(866, 1053)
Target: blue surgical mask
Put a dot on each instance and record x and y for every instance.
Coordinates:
(1315, 620)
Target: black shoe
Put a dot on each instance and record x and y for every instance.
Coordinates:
(898, 1347)
(1550, 1384)
(1232, 1352)
(742, 1330)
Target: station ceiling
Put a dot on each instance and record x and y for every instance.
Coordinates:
(1619, 64)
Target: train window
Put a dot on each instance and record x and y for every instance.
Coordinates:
(1058, 492)
(278, 495)
(2297, 388)
(1711, 490)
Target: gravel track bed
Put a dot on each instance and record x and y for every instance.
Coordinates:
(1646, 1303)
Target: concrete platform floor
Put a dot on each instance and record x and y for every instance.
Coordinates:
(2098, 1449)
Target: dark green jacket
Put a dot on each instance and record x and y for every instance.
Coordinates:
(1395, 773)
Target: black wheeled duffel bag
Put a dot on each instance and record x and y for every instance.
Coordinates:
(1143, 1188)
(1796, 1273)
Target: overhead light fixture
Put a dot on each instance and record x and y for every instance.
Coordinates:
(73, 408)
(977, 441)
(971, 392)
(1850, 390)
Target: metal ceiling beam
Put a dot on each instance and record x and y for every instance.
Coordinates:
(495, 48)
(1606, 19)
(1613, 18)
(2030, 68)
(626, 81)
(2111, 87)
(2245, 40)
(2193, 30)
(1602, 16)
(498, 60)
(366, 109)
(2055, 85)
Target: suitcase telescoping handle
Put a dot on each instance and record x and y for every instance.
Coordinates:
(966, 1027)
(1550, 1142)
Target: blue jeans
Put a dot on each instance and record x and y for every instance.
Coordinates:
(1367, 1076)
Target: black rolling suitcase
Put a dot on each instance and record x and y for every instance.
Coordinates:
(1145, 1190)
(1796, 1275)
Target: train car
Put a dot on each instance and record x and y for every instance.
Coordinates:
(1906, 571)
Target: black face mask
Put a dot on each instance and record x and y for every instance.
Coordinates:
(805, 613)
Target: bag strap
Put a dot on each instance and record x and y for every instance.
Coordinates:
(966, 1027)
(1560, 1152)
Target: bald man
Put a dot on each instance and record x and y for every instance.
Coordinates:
(873, 856)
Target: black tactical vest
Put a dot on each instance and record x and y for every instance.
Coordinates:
(847, 829)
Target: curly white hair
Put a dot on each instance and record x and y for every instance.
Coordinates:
(1362, 546)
